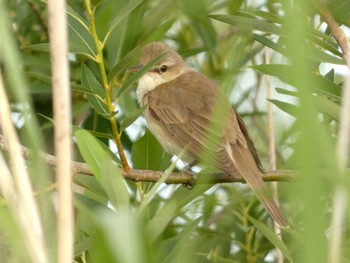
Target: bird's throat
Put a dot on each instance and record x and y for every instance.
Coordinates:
(147, 83)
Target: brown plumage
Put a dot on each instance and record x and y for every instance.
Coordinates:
(186, 110)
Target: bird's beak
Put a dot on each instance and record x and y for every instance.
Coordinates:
(134, 68)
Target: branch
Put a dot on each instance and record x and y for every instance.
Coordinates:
(184, 177)
(337, 33)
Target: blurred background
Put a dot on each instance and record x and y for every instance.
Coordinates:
(247, 47)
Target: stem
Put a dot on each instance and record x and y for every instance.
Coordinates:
(106, 85)
(62, 129)
(272, 151)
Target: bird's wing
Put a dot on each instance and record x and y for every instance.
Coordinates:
(197, 116)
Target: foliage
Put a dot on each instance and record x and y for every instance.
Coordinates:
(123, 221)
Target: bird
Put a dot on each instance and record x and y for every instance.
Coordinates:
(190, 117)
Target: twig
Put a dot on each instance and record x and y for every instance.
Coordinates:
(62, 118)
(337, 33)
(153, 176)
(272, 148)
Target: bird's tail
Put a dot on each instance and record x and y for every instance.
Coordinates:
(246, 166)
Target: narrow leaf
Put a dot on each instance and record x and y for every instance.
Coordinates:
(138, 74)
(80, 35)
(147, 153)
(283, 73)
(328, 106)
(124, 64)
(272, 237)
(73, 47)
(286, 107)
(89, 81)
(91, 151)
(124, 12)
(131, 117)
(106, 172)
(169, 211)
(250, 23)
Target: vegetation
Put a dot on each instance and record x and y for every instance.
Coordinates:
(295, 48)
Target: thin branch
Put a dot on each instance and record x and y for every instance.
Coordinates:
(153, 176)
(272, 148)
(337, 33)
(62, 118)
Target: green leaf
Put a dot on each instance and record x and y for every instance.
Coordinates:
(106, 172)
(125, 236)
(177, 248)
(181, 197)
(42, 47)
(330, 75)
(114, 184)
(90, 183)
(286, 92)
(124, 64)
(47, 79)
(314, 54)
(153, 30)
(91, 151)
(131, 117)
(147, 153)
(328, 106)
(77, 17)
(134, 77)
(340, 11)
(76, 48)
(283, 72)
(88, 205)
(286, 107)
(250, 23)
(80, 37)
(89, 82)
(272, 237)
(83, 245)
(269, 43)
(201, 24)
(122, 14)
(80, 41)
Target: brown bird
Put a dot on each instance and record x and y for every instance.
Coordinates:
(188, 114)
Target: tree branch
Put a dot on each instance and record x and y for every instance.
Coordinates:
(337, 32)
(183, 177)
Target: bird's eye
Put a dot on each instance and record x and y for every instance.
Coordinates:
(163, 68)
